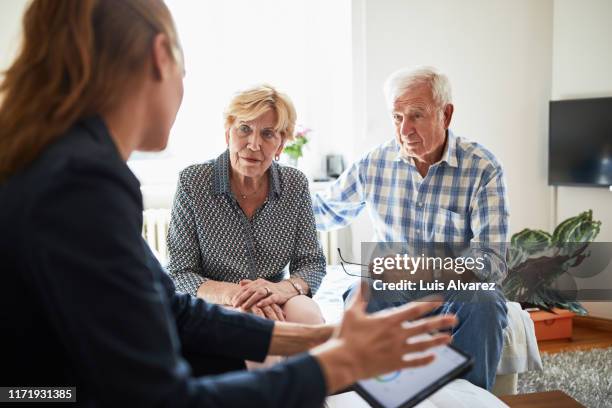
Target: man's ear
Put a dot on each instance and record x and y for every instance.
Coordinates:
(161, 56)
(448, 114)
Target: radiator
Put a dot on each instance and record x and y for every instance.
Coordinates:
(329, 243)
(155, 224)
(155, 231)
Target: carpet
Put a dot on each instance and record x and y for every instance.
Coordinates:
(584, 375)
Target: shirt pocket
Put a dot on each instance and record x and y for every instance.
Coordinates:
(449, 226)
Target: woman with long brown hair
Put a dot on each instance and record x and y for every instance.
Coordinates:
(85, 304)
(75, 63)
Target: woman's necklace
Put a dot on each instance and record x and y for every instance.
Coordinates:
(244, 195)
(250, 194)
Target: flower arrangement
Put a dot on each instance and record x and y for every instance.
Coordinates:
(294, 149)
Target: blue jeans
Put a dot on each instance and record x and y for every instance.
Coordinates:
(482, 318)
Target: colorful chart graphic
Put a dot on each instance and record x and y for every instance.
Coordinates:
(388, 377)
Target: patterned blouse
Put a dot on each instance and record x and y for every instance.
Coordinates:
(210, 237)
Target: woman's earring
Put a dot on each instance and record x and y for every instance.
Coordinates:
(277, 157)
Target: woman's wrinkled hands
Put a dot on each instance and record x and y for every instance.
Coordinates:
(252, 292)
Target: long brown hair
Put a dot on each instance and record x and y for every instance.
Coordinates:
(77, 58)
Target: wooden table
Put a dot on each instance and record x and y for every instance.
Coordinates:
(549, 399)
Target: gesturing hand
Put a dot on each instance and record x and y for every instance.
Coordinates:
(366, 345)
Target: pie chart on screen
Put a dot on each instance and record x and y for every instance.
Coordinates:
(388, 377)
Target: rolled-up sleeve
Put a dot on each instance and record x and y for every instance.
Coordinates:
(308, 261)
(185, 259)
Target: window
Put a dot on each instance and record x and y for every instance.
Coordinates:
(302, 47)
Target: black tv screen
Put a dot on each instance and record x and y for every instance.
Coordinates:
(580, 142)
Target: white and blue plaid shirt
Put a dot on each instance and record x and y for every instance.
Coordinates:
(462, 200)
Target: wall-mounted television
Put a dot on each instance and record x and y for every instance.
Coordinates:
(580, 142)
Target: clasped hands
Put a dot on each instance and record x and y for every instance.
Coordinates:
(262, 298)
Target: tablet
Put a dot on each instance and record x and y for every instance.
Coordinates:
(407, 387)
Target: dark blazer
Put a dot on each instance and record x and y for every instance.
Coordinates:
(84, 303)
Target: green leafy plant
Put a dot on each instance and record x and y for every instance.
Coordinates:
(295, 148)
(537, 259)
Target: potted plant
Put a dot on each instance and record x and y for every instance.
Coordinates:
(294, 149)
(538, 259)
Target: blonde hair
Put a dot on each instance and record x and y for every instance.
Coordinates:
(254, 102)
(77, 59)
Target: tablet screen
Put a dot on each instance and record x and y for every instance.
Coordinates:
(411, 385)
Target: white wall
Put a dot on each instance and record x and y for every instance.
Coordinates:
(582, 68)
(10, 25)
(497, 54)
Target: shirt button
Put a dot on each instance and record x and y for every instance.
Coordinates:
(419, 204)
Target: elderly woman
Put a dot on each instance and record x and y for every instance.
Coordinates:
(240, 219)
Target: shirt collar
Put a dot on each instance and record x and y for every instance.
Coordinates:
(449, 155)
(450, 150)
(221, 176)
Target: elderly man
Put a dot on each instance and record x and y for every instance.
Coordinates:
(429, 186)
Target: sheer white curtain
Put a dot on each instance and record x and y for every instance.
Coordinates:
(302, 47)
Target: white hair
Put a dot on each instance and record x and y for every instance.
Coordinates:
(398, 82)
